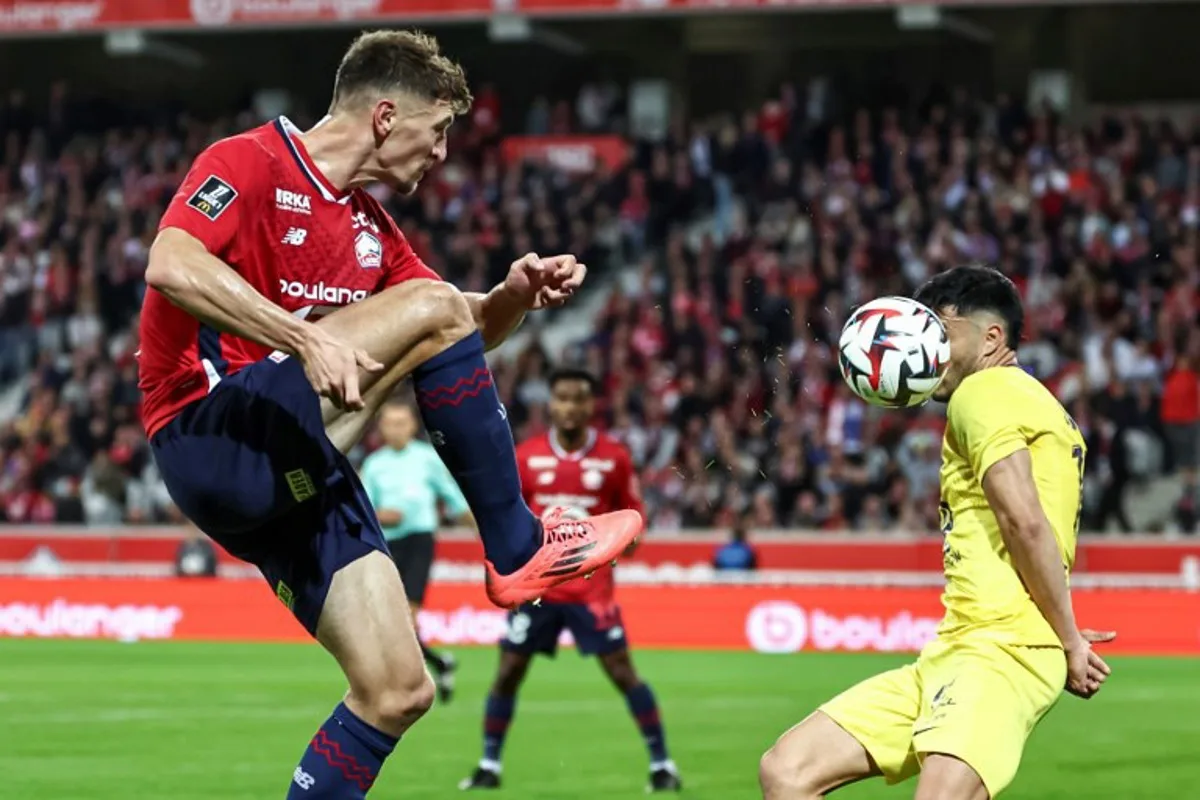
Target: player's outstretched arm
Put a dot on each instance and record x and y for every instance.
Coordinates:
(182, 270)
(532, 283)
(1012, 495)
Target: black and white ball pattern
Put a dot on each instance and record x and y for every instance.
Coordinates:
(892, 351)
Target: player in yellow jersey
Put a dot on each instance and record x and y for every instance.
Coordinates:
(1012, 469)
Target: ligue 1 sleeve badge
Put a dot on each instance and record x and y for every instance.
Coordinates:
(368, 249)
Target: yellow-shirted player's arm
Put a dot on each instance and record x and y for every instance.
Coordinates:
(1012, 494)
(988, 431)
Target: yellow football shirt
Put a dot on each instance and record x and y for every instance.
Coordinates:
(991, 415)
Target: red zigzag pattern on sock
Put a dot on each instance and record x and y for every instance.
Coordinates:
(454, 395)
(343, 762)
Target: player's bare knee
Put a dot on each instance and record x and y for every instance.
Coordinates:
(401, 705)
(773, 776)
(445, 312)
(399, 692)
(786, 773)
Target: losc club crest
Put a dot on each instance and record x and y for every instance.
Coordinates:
(368, 250)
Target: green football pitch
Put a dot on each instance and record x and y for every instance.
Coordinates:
(109, 721)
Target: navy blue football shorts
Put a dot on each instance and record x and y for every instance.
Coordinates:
(251, 466)
(536, 629)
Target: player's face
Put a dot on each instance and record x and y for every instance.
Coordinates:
(412, 140)
(397, 426)
(571, 405)
(971, 339)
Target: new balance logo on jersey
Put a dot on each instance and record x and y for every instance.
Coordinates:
(437, 438)
(303, 779)
(295, 236)
(293, 201)
(213, 197)
(338, 295)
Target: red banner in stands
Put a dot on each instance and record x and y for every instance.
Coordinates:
(765, 619)
(81, 15)
(58, 16)
(568, 153)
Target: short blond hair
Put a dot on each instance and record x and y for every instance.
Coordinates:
(378, 62)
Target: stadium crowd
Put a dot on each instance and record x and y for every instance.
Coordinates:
(736, 246)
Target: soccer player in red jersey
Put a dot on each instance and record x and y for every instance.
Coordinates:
(578, 469)
(283, 308)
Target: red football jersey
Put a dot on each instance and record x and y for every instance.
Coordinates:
(258, 202)
(596, 479)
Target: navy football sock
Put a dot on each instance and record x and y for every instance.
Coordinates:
(645, 712)
(342, 760)
(497, 716)
(469, 428)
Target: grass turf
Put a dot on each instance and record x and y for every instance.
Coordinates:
(103, 721)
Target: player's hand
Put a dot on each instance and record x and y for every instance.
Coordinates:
(332, 367)
(1086, 671)
(545, 282)
(566, 276)
(389, 516)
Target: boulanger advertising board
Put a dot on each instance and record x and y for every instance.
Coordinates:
(698, 617)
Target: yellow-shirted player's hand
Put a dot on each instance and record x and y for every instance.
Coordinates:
(1086, 671)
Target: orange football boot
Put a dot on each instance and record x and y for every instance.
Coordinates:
(571, 548)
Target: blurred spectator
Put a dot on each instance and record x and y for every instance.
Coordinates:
(736, 554)
(737, 244)
(1181, 423)
(196, 556)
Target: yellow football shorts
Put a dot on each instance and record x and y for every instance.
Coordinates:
(975, 701)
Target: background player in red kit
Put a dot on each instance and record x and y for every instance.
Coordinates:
(580, 469)
(254, 393)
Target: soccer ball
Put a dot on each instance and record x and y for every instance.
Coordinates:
(891, 352)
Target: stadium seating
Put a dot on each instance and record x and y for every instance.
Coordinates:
(735, 251)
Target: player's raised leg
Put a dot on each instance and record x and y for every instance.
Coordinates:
(499, 709)
(366, 626)
(429, 330)
(812, 760)
(639, 697)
